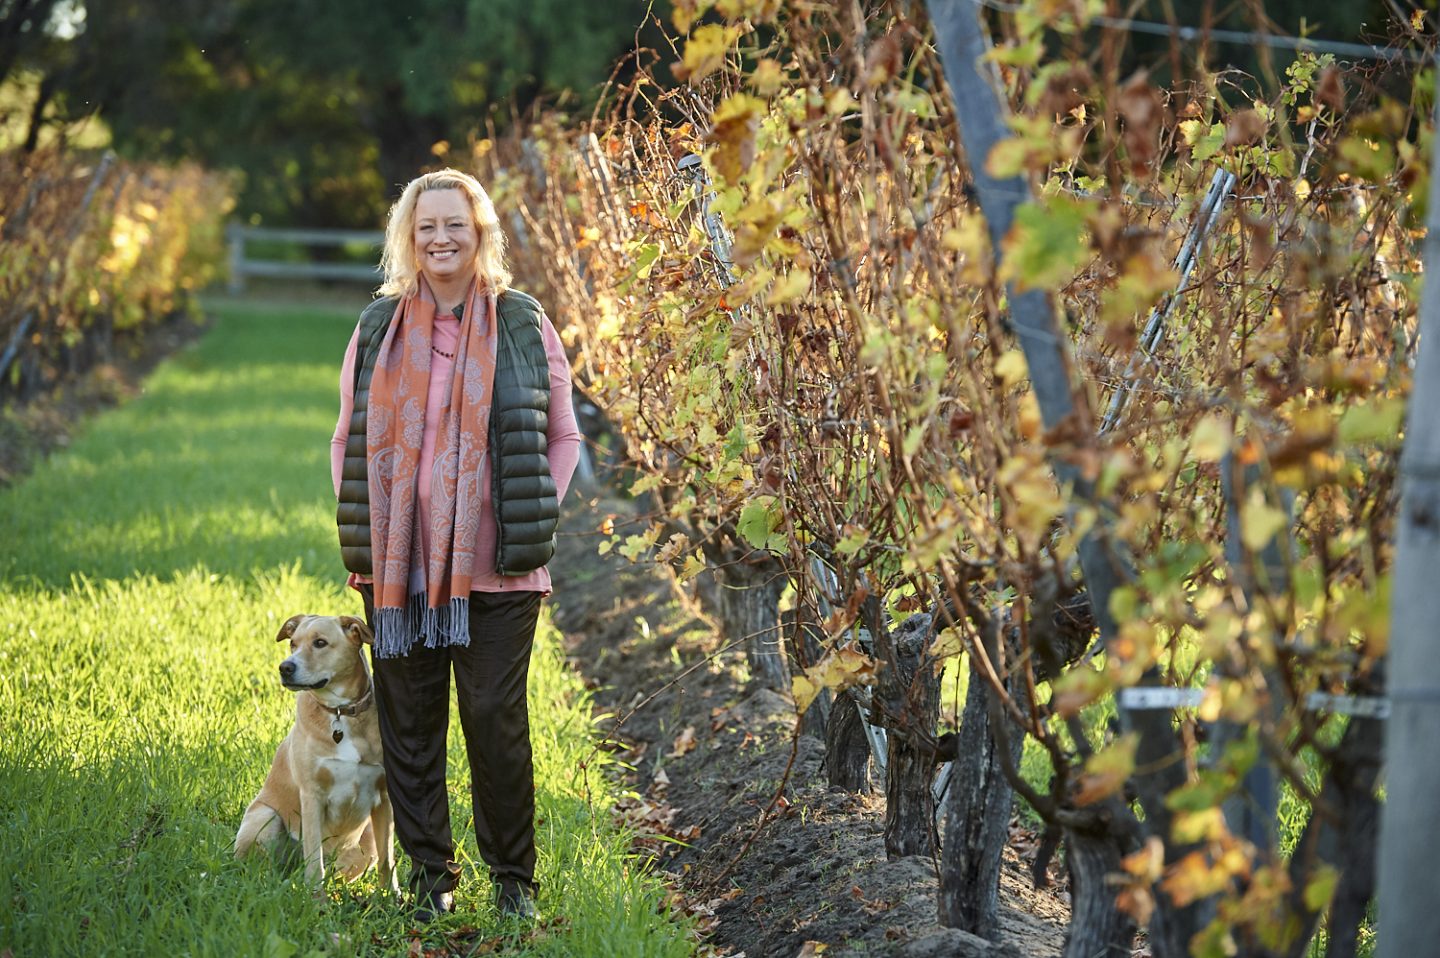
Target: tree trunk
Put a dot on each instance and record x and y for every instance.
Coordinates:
(912, 710)
(977, 820)
(1097, 928)
(847, 751)
(46, 93)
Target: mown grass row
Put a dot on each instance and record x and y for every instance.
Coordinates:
(145, 573)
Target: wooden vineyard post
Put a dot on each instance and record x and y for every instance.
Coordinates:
(980, 113)
(1409, 839)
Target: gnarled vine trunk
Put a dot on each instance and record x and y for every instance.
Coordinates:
(909, 695)
(741, 593)
(847, 751)
(977, 820)
(1097, 928)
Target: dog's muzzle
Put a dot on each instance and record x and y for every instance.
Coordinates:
(287, 679)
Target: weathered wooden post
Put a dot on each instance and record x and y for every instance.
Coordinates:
(1409, 840)
(980, 112)
(235, 243)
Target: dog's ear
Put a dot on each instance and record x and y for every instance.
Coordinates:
(288, 629)
(356, 629)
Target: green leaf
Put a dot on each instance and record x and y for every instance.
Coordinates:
(1378, 420)
(1046, 244)
(757, 520)
(1204, 141)
(1321, 888)
(635, 546)
(645, 259)
(645, 483)
(277, 947)
(854, 541)
(913, 438)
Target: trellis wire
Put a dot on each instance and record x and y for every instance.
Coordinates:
(1190, 34)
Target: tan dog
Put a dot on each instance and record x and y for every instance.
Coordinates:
(326, 787)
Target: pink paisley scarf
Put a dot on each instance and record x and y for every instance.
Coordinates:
(427, 597)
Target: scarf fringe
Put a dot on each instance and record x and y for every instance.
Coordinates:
(397, 629)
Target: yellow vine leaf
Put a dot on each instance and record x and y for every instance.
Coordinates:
(792, 286)
(1210, 439)
(1076, 689)
(1010, 368)
(757, 11)
(838, 670)
(1259, 521)
(946, 645)
(1206, 824)
(694, 565)
(732, 135)
(803, 690)
(685, 12)
(1106, 771)
(706, 49)
(768, 77)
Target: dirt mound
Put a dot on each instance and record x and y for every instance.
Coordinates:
(710, 754)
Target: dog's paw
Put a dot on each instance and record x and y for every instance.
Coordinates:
(352, 862)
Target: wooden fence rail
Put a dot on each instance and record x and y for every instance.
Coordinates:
(242, 267)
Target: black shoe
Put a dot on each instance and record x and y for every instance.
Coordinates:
(432, 905)
(515, 901)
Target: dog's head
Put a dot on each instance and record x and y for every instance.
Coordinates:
(323, 649)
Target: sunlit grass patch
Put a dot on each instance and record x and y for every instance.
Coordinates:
(146, 573)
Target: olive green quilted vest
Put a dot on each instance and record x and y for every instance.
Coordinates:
(523, 492)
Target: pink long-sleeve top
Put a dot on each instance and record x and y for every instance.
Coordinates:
(563, 437)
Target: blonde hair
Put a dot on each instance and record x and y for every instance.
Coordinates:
(398, 258)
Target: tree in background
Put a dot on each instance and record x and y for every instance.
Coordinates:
(324, 106)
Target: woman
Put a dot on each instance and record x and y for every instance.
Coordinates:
(455, 444)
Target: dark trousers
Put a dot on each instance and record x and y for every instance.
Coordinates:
(412, 696)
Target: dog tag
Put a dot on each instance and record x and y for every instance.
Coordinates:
(338, 735)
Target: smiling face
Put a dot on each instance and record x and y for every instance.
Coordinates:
(446, 240)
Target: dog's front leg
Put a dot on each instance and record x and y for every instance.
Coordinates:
(312, 837)
(383, 820)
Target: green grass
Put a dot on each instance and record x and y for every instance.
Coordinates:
(144, 575)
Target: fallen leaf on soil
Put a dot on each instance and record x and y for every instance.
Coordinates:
(811, 948)
(684, 742)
